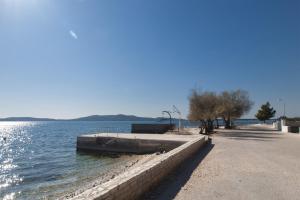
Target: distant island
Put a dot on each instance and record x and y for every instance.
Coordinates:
(119, 117)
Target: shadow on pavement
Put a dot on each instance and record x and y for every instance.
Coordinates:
(172, 184)
(250, 135)
(256, 129)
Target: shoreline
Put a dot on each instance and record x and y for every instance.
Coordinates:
(146, 173)
(133, 162)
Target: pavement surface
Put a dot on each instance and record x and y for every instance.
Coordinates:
(254, 163)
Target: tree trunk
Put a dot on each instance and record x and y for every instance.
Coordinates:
(201, 127)
(210, 126)
(227, 123)
(205, 127)
(217, 123)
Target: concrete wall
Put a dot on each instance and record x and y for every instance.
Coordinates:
(151, 128)
(290, 129)
(277, 125)
(134, 183)
(123, 145)
(294, 129)
(287, 127)
(284, 129)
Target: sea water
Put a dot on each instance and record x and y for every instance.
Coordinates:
(38, 160)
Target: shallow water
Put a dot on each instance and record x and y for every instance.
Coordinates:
(38, 160)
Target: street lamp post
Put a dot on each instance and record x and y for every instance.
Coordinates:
(281, 100)
(170, 117)
(175, 109)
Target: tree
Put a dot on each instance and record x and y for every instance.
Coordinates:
(208, 106)
(233, 105)
(265, 112)
(203, 108)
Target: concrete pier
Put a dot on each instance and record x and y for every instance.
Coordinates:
(131, 143)
(138, 180)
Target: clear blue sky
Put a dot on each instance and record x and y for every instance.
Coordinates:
(71, 58)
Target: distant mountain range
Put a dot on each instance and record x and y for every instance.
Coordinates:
(26, 119)
(114, 118)
(119, 117)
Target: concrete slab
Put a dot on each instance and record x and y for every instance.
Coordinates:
(146, 136)
(132, 143)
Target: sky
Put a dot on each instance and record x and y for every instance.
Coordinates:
(72, 58)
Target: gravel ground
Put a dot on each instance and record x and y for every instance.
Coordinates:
(251, 163)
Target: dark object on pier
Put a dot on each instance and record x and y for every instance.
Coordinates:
(152, 128)
(293, 129)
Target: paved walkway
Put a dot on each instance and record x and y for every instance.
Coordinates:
(240, 164)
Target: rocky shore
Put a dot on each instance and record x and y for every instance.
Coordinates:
(130, 161)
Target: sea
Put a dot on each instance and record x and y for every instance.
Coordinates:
(38, 160)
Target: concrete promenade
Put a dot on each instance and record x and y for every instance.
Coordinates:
(253, 163)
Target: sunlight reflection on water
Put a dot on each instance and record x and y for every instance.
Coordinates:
(14, 137)
(9, 196)
(38, 160)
